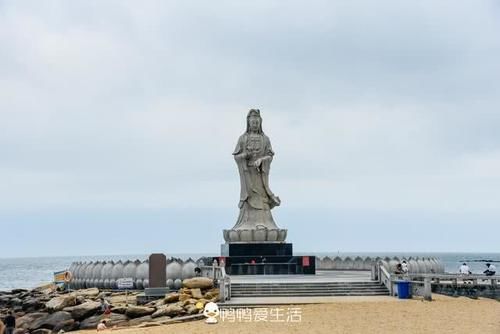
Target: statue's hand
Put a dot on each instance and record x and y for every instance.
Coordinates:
(258, 162)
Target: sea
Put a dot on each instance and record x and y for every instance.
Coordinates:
(27, 273)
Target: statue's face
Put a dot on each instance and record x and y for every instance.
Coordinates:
(254, 123)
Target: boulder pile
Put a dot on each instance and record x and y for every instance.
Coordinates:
(48, 310)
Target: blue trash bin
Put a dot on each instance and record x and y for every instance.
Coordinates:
(404, 289)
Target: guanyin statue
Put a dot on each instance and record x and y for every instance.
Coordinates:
(253, 155)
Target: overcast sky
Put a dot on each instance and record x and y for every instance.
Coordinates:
(118, 119)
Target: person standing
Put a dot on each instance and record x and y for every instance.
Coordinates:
(105, 307)
(404, 267)
(10, 323)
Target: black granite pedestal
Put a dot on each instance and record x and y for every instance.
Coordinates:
(267, 258)
(257, 249)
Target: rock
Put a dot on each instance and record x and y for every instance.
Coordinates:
(67, 326)
(32, 304)
(5, 299)
(44, 298)
(42, 331)
(198, 282)
(18, 291)
(16, 302)
(161, 320)
(148, 321)
(184, 296)
(122, 298)
(25, 294)
(20, 331)
(112, 320)
(171, 297)
(80, 300)
(212, 293)
(138, 311)
(138, 321)
(84, 310)
(120, 309)
(196, 293)
(169, 310)
(91, 322)
(26, 320)
(158, 303)
(87, 293)
(51, 320)
(104, 294)
(191, 301)
(46, 288)
(58, 303)
(149, 324)
(17, 309)
(192, 309)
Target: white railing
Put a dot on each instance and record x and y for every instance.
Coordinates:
(219, 275)
(458, 277)
(385, 278)
(422, 283)
(224, 285)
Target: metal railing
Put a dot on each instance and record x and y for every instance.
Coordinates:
(457, 277)
(426, 281)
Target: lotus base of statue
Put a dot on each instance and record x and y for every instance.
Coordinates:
(255, 235)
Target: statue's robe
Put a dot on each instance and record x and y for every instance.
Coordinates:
(256, 198)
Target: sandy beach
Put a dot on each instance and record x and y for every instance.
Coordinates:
(358, 315)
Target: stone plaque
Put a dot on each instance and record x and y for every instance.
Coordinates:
(157, 271)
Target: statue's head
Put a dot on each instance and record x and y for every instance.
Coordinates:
(254, 121)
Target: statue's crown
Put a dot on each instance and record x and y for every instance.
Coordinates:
(254, 112)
